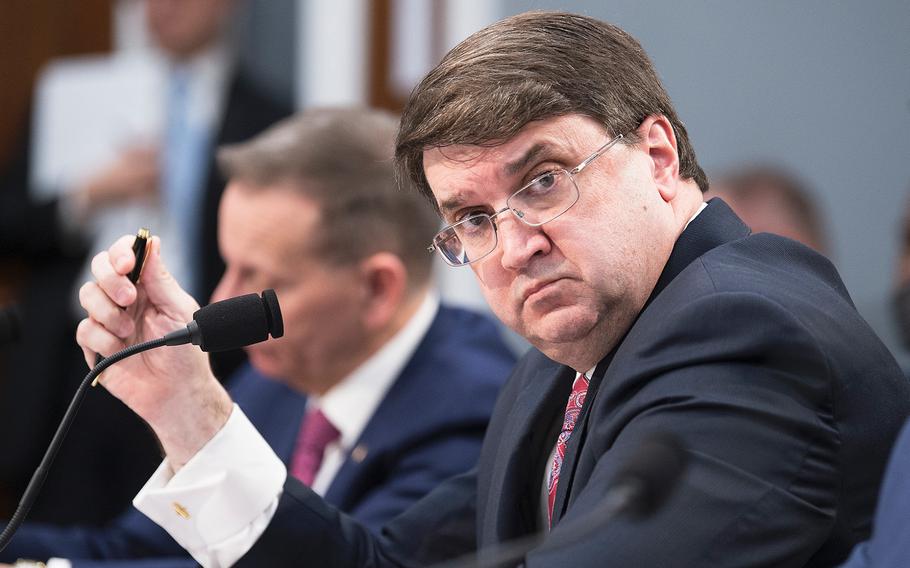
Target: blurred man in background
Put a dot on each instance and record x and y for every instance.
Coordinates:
(772, 200)
(165, 179)
(890, 542)
(383, 392)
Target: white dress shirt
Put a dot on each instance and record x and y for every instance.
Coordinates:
(222, 500)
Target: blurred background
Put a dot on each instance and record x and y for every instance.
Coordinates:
(818, 90)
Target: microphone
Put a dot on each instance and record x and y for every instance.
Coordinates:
(220, 326)
(638, 490)
(232, 323)
(10, 324)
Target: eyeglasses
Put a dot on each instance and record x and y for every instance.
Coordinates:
(541, 200)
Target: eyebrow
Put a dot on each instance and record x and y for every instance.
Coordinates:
(515, 166)
(451, 204)
(510, 169)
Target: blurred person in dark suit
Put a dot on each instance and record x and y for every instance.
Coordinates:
(772, 200)
(403, 386)
(890, 542)
(207, 100)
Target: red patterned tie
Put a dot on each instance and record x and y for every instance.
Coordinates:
(316, 433)
(573, 409)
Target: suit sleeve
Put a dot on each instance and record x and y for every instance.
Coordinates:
(416, 473)
(440, 526)
(745, 385)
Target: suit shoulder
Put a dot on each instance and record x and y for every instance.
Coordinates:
(773, 266)
(457, 369)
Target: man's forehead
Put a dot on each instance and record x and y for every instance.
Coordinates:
(453, 171)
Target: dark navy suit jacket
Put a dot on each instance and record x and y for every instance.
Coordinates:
(890, 543)
(428, 428)
(750, 350)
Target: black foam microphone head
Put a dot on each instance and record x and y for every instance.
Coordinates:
(273, 313)
(654, 469)
(10, 325)
(239, 321)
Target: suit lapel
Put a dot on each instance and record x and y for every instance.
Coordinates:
(523, 448)
(714, 226)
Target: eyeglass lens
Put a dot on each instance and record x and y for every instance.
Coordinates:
(548, 196)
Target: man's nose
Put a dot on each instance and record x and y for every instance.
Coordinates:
(226, 288)
(520, 242)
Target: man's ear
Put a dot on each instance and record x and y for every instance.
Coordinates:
(385, 280)
(658, 140)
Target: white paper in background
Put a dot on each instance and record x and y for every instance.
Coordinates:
(87, 110)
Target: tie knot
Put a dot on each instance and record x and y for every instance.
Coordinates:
(317, 431)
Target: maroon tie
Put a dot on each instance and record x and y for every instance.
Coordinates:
(316, 433)
(573, 408)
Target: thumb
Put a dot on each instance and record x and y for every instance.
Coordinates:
(162, 289)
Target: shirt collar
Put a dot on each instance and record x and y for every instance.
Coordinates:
(349, 404)
(700, 209)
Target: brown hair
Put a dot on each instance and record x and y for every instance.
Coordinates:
(531, 67)
(342, 159)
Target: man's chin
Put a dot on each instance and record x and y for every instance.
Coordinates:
(560, 326)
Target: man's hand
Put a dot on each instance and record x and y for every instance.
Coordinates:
(172, 388)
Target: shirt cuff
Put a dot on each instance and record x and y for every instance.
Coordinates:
(58, 563)
(222, 500)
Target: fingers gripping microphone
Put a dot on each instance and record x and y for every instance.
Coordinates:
(232, 323)
(224, 325)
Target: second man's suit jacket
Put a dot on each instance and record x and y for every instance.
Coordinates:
(749, 350)
(427, 428)
(890, 542)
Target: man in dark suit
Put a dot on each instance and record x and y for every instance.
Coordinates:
(569, 185)
(411, 409)
(890, 542)
(43, 372)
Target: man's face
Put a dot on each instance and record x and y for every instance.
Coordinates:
(266, 237)
(578, 281)
(182, 27)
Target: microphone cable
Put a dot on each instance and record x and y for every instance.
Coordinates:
(37, 480)
(228, 324)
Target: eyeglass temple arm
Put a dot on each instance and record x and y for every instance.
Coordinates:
(596, 154)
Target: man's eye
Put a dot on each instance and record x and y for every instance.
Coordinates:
(546, 181)
(543, 182)
(466, 215)
(475, 220)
